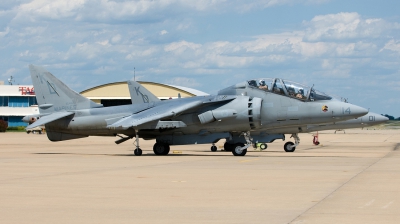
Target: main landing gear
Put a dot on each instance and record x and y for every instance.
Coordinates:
(213, 148)
(161, 148)
(290, 146)
(239, 149)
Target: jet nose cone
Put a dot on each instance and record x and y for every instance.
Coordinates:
(380, 119)
(358, 111)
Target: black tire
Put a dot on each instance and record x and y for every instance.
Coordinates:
(228, 147)
(161, 149)
(167, 148)
(236, 152)
(263, 146)
(28, 132)
(138, 152)
(287, 148)
(213, 148)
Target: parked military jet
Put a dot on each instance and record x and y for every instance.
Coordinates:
(196, 120)
(367, 120)
(302, 109)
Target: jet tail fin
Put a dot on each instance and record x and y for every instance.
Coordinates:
(54, 96)
(139, 94)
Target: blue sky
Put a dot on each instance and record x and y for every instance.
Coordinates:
(346, 48)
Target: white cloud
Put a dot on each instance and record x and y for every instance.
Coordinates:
(5, 32)
(245, 5)
(183, 81)
(54, 9)
(107, 10)
(9, 72)
(181, 46)
(116, 39)
(392, 45)
(163, 32)
(344, 26)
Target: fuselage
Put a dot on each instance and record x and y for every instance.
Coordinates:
(257, 113)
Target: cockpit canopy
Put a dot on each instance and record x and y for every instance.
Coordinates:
(288, 88)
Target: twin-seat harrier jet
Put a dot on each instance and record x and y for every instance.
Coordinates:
(240, 119)
(294, 113)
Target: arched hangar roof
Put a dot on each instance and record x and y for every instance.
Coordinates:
(119, 90)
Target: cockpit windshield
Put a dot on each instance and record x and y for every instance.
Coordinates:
(263, 84)
(317, 95)
(288, 88)
(296, 90)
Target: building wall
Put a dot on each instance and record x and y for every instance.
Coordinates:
(17, 102)
(120, 90)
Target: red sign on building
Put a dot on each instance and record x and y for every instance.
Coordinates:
(27, 90)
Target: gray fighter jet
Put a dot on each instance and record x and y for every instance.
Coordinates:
(196, 120)
(302, 109)
(367, 120)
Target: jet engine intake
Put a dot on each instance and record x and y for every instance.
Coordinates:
(214, 115)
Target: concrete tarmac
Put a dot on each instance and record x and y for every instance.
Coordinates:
(349, 178)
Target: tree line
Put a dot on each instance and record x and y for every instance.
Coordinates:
(391, 118)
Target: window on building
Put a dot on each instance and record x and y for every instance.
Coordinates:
(16, 121)
(16, 101)
(3, 101)
(32, 101)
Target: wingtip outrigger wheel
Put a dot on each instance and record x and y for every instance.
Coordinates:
(137, 151)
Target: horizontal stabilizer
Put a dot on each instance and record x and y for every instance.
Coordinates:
(49, 118)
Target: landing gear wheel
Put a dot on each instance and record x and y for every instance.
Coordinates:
(161, 149)
(138, 152)
(229, 147)
(213, 148)
(263, 146)
(287, 147)
(237, 151)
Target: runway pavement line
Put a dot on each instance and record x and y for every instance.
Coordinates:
(345, 183)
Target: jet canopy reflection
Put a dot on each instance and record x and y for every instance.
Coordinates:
(288, 88)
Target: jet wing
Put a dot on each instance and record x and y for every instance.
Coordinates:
(154, 114)
(169, 109)
(49, 118)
